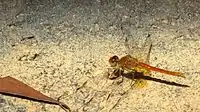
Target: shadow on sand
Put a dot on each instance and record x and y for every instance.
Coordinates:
(141, 76)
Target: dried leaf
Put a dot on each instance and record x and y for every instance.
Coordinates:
(14, 87)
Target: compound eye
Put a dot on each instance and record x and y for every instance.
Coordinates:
(114, 61)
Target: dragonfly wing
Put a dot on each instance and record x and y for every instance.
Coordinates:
(148, 54)
(139, 48)
(140, 83)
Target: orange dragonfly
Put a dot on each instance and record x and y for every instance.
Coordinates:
(131, 64)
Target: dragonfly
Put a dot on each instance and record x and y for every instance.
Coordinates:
(130, 64)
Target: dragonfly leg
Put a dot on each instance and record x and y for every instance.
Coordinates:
(115, 74)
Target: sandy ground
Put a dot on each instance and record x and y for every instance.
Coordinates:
(61, 48)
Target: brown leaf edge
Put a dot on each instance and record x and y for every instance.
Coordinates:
(13, 87)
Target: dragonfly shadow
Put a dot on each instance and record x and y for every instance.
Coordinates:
(138, 75)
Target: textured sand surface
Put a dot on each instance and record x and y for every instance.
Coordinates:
(70, 44)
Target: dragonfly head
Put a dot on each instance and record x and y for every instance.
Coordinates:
(114, 60)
